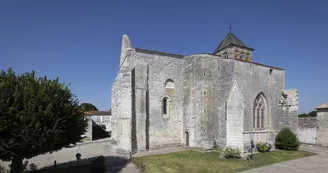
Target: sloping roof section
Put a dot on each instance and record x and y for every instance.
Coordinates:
(90, 113)
(231, 39)
(158, 53)
(323, 106)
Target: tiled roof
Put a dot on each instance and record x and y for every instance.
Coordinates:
(90, 113)
(323, 106)
(230, 39)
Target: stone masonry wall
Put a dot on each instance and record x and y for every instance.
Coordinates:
(122, 100)
(307, 129)
(137, 119)
(307, 122)
(208, 80)
(254, 79)
(235, 53)
(88, 134)
(141, 105)
(235, 118)
(122, 110)
(322, 131)
(162, 131)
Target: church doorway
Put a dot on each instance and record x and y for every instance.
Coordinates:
(187, 139)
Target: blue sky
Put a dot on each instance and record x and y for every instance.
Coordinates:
(79, 41)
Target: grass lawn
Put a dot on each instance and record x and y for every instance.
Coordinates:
(210, 162)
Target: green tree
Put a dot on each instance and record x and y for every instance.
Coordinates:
(310, 114)
(313, 114)
(88, 107)
(37, 116)
(303, 115)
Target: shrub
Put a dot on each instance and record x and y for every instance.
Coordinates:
(287, 140)
(263, 147)
(231, 153)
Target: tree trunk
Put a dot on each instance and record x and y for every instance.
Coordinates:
(16, 165)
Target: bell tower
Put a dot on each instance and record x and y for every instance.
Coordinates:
(232, 47)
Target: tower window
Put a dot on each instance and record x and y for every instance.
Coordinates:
(164, 105)
(225, 55)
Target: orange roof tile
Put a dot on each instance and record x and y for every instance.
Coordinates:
(323, 106)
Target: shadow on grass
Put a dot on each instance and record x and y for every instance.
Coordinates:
(99, 164)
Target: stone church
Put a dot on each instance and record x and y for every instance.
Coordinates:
(222, 99)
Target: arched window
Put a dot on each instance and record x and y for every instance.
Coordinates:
(169, 83)
(237, 56)
(259, 112)
(225, 55)
(166, 105)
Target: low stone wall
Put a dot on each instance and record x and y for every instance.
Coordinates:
(307, 130)
(322, 131)
(307, 122)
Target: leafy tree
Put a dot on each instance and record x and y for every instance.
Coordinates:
(310, 114)
(88, 107)
(287, 140)
(303, 115)
(37, 116)
(313, 114)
